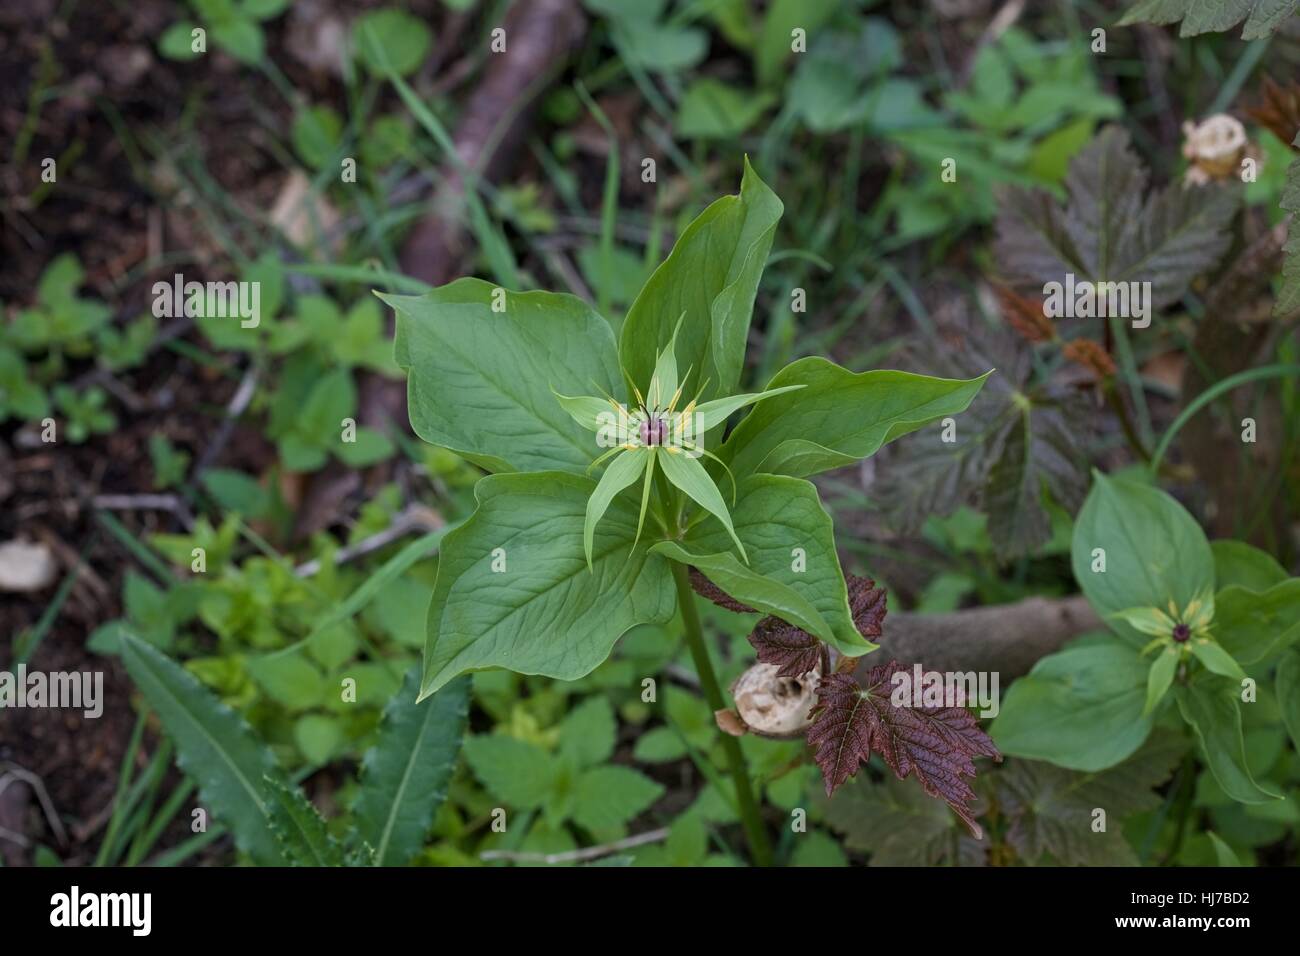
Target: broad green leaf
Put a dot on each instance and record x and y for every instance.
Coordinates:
(299, 828)
(838, 418)
(690, 476)
(242, 39)
(711, 109)
(1080, 708)
(1288, 694)
(712, 276)
(589, 731)
(405, 775)
(608, 797)
(214, 746)
(793, 572)
(318, 737)
(480, 382)
(1213, 709)
(1154, 551)
(773, 47)
(544, 612)
(514, 771)
(176, 43)
(1252, 625)
(625, 468)
(390, 39)
(1160, 677)
(288, 679)
(1236, 562)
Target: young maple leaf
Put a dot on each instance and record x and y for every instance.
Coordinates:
(795, 652)
(933, 744)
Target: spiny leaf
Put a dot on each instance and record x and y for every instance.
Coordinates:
(1198, 16)
(299, 828)
(934, 744)
(405, 775)
(214, 744)
(1051, 810)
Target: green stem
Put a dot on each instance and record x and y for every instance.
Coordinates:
(1209, 395)
(759, 848)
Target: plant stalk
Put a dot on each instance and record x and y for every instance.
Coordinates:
(759, 848)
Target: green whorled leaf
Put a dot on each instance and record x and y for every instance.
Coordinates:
(712, 276)
(512, 770)
(1160, 678)
(838, 418)
(1216, 659)
(687, 474)
(1288, 293)
(214, 745)
(900, 825)
(1080, 708)
(1236, 562)
(773, 516)
(1288, 693)
(1212, 707)
(299, 827)
(1050, 810)
(1154, 551)
(1262, 16)
(1253, 625)
(405, 774)
(625, 468)
(608, 797)
(482, 383)
(546, 613)
(1110, 231)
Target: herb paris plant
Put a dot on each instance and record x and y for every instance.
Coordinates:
(554, 566)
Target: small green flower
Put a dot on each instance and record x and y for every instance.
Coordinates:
(1179, 635)
(657, 433)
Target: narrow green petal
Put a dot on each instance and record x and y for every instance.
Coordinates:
(1216, 659)
(1160, 677)
(621, 472)
(664, 381)
(712, 414)
(588, 411)
(689, 475)
(645, 491)
(1148, 620)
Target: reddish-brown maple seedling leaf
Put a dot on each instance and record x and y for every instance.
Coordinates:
(793, 650)
(867, 604)
(1024, 315)
(706, 588)
(933, 744)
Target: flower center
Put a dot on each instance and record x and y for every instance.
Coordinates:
(653, 431)
(1181, 633)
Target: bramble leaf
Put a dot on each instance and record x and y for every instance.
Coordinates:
(933, 744)
(1262, 16)
(1111, 231)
